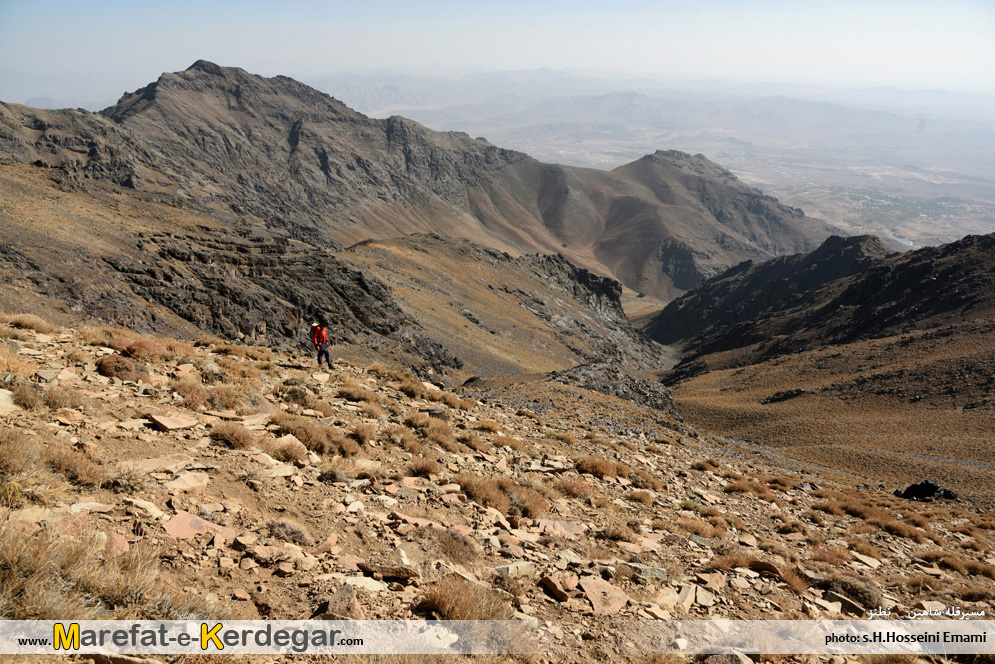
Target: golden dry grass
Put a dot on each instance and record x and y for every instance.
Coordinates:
(233, 435)
(454, 598)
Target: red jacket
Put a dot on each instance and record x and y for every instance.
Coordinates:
(319, 335)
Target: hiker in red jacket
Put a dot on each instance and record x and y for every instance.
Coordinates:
(319, 336)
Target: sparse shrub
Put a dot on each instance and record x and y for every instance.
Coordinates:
(363, 432)
(698, 527)
(739, 486)
(31, 322)
(509, 442)
(417, 420)
(412, 388)
(78, 468)
(596, 466)
(423, 468)
(488, 425)
(837, 556)
(233, 435)
(145, 350)
(195, 396)
(455, 598)
(28, 397)
(575, 487)
(644, 497)
(333, 475)
(829, 507)
(782, 483)
(706, 465)
(290, 531)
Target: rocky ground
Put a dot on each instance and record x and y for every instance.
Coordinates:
(235, 482)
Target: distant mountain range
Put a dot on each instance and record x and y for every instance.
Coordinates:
(309, 168)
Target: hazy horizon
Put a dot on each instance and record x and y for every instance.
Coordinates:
(66, 51)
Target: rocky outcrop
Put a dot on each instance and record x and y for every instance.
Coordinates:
(847, 290)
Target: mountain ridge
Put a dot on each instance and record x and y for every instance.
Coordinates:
(308, 167)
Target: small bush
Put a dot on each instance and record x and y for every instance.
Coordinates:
(64, 397)
(10, 363)
(145, 350)
(233, 435)
(417, 420)
(455, 598)
(357, 393)
(575, 487)
(730, 561)
(706, 465)
(28, 397)
(364, 432)
(78, 468)
(644, 497)
(31, 322)
(289, 531)
(598, 467)
(837, 556)
(423, 468)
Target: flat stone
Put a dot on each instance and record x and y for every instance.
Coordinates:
(7, 404)
(747, 540)
(165, 424)
(325, 546)
(133, 425)
(846, 603)
(145, 506)
(647, 572)
(516, 570)
(703, 597)
(657, 613)
(366, 583)
(604, 597)
(160, 465)
(186, 526)
(873, 563)
(389, 571)
(342, 605)
(714, 580)
(555, 588)
(188, 481)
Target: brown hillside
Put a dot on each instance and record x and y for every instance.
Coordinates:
(274, 149)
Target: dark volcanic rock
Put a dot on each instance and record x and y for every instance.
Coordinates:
(926, 491)
(609, 379)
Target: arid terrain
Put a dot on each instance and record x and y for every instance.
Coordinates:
(573, 398)
(230, 481)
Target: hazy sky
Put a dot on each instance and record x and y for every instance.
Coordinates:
(98, 50)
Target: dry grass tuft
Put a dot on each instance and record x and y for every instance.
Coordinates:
(454, 598)
(364, 432)
(28, 397)
(730, 560)
(423, 468)
(64, 397)
(417, 420)
(61, 578)
(28, 322)
(837, 556)
(488, 425)
(233, 435)
(284, 450)
(290, 531)
(644, 497)
(352, 392)
(575, 487)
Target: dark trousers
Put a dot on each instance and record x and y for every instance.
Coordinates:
(323, 352)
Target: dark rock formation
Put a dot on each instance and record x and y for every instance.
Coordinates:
(925, 492)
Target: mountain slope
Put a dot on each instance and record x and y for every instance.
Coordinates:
(850, 289)
(312, 169)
